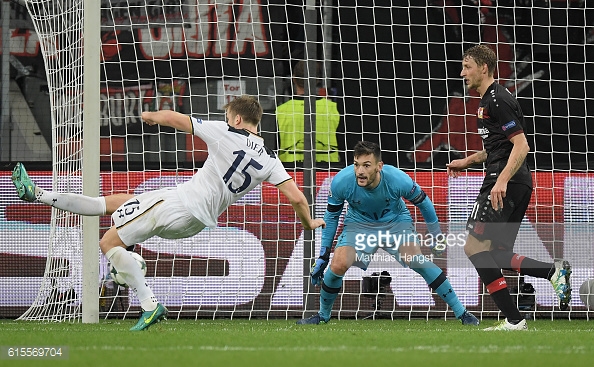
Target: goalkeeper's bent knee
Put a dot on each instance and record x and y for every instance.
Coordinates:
(332, 280)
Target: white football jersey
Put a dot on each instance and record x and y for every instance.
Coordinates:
(237, 162)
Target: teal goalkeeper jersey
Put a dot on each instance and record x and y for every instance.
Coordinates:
(381, 205)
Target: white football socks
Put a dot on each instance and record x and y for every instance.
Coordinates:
(132, 275)
(73, 203)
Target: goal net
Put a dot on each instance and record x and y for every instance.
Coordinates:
(58, 26)
(392, 73)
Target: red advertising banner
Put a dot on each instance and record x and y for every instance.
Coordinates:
(265, 228)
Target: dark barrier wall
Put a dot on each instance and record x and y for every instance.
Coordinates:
(382, 75)
(393, 70)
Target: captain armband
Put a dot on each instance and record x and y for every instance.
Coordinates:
(419, 198)
(334, 208)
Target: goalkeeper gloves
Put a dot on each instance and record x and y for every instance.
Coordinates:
(317, 269)
(438, 244)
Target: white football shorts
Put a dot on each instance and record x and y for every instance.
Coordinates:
(155, 213)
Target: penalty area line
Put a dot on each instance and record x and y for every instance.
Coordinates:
(446, 348)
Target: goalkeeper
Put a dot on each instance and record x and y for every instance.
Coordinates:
(374, 193)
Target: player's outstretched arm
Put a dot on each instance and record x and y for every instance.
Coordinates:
(458, 165)
(169, 118)
(299, 202)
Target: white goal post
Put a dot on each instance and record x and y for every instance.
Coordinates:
(392, 71)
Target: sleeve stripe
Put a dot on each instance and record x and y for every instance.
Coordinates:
(514, 134)
(288, 179)
(191, 124)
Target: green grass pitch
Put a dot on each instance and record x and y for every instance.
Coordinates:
(242, 342)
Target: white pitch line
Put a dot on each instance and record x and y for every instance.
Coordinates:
(487, 349)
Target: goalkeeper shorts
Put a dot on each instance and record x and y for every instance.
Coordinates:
(367, 238)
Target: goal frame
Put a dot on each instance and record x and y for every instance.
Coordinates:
(91, 152)
(421, 158)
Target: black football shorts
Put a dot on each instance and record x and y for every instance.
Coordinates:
(500, 226)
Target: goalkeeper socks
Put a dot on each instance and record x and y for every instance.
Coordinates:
(438, 282)
(330, 287)
(73, 203)
(524, 265)
(133, 276)
(496, 285)
(444, 289)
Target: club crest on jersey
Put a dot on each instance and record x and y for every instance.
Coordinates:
(509, 125)
(482, 113)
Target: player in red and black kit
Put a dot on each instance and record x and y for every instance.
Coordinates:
(505, 194)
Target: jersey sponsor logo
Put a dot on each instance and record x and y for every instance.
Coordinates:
(509, 125)
(483, 132)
